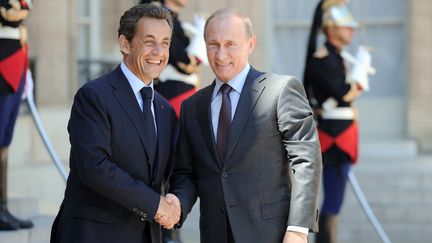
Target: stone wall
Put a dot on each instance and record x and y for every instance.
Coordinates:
(52, 35)
(420, 73)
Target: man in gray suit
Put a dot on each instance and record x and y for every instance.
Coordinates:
(248, 146)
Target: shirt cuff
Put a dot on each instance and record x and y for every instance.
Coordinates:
(298, 229)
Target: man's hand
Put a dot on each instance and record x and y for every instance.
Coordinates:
(294, 237)
(168, 213)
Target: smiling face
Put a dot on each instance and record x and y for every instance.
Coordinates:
(148, 51)
(228, 45)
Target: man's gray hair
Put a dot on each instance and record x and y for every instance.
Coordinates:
(225, 12)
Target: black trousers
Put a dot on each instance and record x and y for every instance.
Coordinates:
(230, 237)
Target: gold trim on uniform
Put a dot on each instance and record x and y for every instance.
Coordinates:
(192, 67)
(14, 14)
(328, 3)
(321, 52)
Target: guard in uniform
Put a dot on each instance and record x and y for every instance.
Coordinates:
(331, 92)
(13, 67)
(180, 79)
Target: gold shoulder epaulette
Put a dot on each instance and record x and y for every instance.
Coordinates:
(321, 52)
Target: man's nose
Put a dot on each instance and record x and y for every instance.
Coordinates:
(221, 53)
(158, 48)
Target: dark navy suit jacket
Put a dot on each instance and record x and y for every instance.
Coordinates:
(114, 184)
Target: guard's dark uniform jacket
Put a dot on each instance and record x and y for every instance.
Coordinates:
(332, 97)
(174, 87)
(13, 56)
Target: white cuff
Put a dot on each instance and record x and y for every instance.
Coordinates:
(298, 229)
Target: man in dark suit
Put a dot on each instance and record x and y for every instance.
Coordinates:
(248, 146)
(121, 135)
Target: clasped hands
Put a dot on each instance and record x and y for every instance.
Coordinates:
(168, 213)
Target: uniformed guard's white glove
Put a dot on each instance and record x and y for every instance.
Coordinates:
(29, 86)
(197, 45)
(362, 68)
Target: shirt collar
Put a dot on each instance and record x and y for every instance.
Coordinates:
(236, 83)
(134, 81)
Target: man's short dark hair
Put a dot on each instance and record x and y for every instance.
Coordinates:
(130, 18)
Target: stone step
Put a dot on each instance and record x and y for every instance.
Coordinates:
(40, 181)
(397, 233)
(24, 207)
(389, 148)
(398, 192)
(415, 214)
(384, 182)
(368, 165)
(40, 233)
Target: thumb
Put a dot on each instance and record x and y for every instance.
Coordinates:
(168, 199)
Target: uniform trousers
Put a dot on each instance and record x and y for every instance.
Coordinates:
(9, 107)
(335, 177)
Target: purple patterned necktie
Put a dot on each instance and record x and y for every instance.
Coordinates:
(224, 120)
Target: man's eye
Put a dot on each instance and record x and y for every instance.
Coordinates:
(148, 43)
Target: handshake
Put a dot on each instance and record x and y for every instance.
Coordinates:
(168, 213)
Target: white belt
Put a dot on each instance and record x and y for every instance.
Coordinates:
(9, 33)
(338, 113)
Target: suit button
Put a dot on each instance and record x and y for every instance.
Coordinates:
(224, 174)
(222, 208)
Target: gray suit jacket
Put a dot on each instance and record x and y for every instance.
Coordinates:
(271, 173)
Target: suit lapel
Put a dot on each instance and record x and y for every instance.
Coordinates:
(250, 94)
(205, 121)
(163, 122)
(125, 96)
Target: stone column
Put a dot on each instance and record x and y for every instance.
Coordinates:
(52, 35)
(420, 73)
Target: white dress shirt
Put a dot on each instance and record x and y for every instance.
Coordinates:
(137, 85)
(236, 84)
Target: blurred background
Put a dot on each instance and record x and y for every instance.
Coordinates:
(72, 42)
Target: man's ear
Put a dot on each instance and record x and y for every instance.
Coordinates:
(251, 44)
(124, 44)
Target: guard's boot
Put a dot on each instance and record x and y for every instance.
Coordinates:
(7, 220)
(327, 229)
